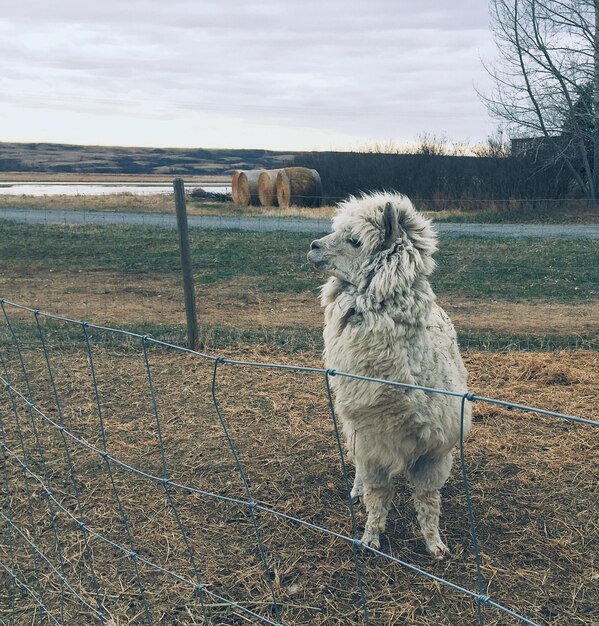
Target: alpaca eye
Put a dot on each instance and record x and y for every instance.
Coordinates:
(355, 243)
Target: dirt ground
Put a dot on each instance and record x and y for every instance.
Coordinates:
(534, 483)
(123, 298)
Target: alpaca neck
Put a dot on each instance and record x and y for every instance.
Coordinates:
(409, 306)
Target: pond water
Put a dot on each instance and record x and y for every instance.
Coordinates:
(98, 189)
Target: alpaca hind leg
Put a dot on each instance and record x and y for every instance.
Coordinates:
(427, 476)
(350, 441)
(357, 491)
(378, 502)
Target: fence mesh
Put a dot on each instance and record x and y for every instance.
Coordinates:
(146, 483)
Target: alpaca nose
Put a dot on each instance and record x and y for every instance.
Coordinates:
(315, 244)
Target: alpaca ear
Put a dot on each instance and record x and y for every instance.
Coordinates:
(390, 224)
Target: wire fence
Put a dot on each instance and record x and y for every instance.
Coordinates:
(80, 545)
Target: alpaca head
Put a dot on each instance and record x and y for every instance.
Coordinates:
(380, 244)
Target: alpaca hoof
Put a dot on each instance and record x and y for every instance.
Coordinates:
(356, 494)
(438, 551)
(371, 540)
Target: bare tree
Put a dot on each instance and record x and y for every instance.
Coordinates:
(547, 81)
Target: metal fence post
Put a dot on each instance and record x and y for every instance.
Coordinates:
(193, 338)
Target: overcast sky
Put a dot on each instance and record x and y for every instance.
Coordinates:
(280, 74)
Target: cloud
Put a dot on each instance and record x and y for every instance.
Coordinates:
(380, 69)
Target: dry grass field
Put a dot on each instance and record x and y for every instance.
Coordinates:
(136, 302)
(155, 203)
(533, 479)
(482, 212)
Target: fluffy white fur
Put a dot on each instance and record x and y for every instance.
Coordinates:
(381, 320)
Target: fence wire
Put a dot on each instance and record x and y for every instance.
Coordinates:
(64, 582)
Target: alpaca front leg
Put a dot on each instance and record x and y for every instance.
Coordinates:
(378, 502)
(427, 476)
(428, 510)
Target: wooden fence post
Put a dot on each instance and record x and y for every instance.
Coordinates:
(193, 338)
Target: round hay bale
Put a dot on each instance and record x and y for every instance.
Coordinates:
(266, 188)
(234, 186)
(247, 187)
(298, 186)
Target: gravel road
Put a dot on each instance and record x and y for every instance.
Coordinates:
(289, 224)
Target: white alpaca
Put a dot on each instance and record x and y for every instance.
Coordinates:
(381, 320)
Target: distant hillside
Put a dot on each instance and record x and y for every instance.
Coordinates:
(62, 158)
(439, 179)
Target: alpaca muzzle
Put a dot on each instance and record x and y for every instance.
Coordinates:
(315, 255)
